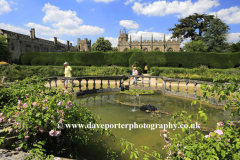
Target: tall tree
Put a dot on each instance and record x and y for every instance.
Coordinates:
(215, 36)
(102, 45)
(4, 52)
(188, 26)
(115, 49)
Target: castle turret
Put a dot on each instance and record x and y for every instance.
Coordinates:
(130, 42)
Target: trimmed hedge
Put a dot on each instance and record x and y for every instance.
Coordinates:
(140, 59)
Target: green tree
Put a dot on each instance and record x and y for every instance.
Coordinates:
(4, 52)
(215, 36)
(102, 45)
(194, 46)
(234, 47)
(58, 41)
(115, 49)
(134, 50)
(188, 26)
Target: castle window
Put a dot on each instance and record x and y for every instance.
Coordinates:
(12, 46)
(27, 47)
(36, 48)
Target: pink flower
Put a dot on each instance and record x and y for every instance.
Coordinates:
(44, 108)
(18, 123)
(210, 134)
(18, 148)
(219, 132)
(19, 102)
(41, 130)
(227, 145)
(26, 137)
(1, 114)
(25, 105)
(35, 127)
(9, 120)
(1, 120)
(19, 107)
(44, 101)
(207, 136)
(60, 103)
(19, 127)
(166, 141)
(165, 135)
(10, 129)
(228, 140)
(60, 120)
(58, 133)
(67, 106)
(35, 103)
(52, 133)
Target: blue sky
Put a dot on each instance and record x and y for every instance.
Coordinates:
(72, 19)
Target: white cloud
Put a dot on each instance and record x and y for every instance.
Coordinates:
(13, 2)
(129, 24)
(233, 37)
(145, 30)
(79, 1)
(93, 9)
(184, 9)
(128, 1)
(15, 9)
(64, 22)
(14, 29)
(230, 15)
(151, 28)
(105, 1)
(5, 7)
(114, 41)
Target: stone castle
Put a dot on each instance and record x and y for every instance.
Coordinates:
(145, 46)
(20, 43)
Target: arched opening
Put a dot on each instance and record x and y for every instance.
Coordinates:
(145, 50)
(157, 49)
(125, 50)
(170, 49)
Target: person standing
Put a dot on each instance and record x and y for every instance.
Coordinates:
(68, 73)
(135, 73)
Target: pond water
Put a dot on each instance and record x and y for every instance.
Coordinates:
(115, 108)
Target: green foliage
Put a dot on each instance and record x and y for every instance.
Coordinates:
(194, 46)
(137, 91)
(215, 36)
(4, 52)
(101, 45)
(37, 112)
(134, 50)
(224, 143)
(115, 49)
(188, 26)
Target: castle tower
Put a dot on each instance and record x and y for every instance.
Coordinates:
(123, 36)
(164, 41)
(152, 43)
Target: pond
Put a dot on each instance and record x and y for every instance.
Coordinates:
(115, 108)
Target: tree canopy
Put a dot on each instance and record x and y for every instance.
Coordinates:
(102, 45)
(215, 36)
(188, 26)
(4, 52)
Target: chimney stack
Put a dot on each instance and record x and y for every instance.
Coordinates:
(55, 41)
(70, 44)
(33, 33)
(30, 33)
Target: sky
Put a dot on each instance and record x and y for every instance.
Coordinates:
(91, 19)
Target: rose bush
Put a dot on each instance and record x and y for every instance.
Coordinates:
(35, 113)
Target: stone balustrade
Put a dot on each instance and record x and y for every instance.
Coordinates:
(138, 85)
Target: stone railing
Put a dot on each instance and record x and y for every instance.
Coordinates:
(141, 83)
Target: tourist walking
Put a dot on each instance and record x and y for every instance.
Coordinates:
(68, 73)
(135, 73)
